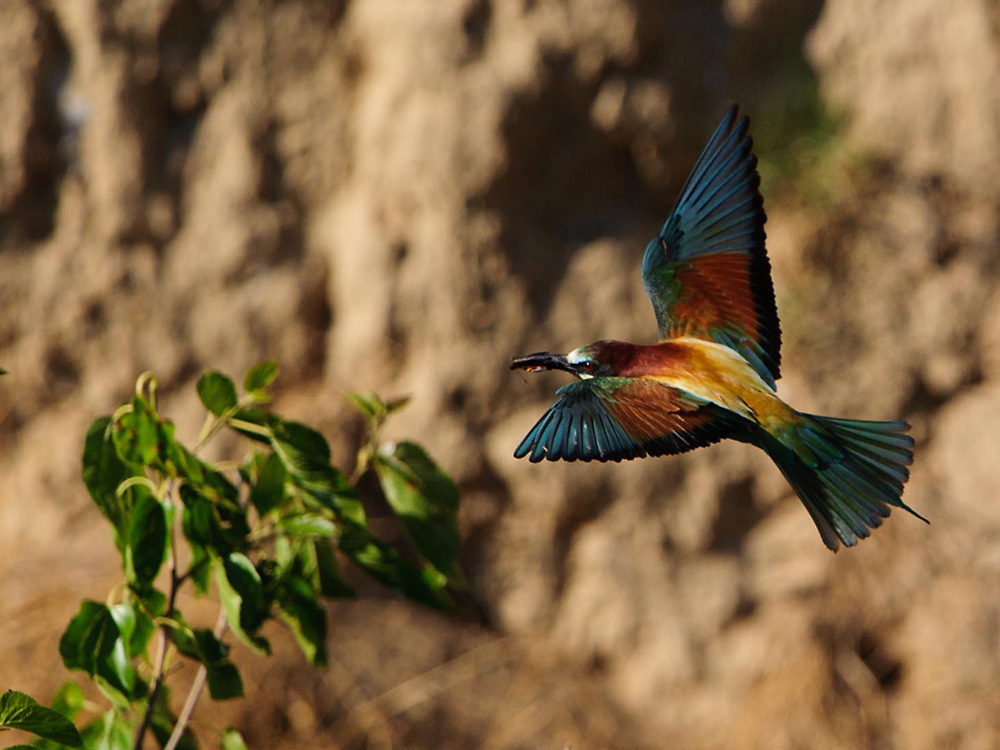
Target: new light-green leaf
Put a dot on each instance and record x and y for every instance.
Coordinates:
(368, 404)
(260, 376)
(232, 740)
(20, 711)
(216, 392)
(374, 406)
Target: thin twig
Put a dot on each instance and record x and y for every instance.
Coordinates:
(195, 692)
(164, 642)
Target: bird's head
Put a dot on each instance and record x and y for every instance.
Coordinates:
(600, 359)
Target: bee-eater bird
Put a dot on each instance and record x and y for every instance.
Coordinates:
(712, 375)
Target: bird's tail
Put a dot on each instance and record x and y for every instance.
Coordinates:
(847, 472)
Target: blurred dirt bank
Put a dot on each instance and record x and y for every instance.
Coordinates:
(402, 195)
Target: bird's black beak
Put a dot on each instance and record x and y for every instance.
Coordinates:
(542, 361)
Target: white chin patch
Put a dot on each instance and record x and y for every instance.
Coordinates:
(575, 357)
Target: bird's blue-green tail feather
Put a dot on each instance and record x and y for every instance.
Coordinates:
(849, 473)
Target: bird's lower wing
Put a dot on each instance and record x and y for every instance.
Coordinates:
(615, 419)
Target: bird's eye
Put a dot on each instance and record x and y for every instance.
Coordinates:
(588, 365)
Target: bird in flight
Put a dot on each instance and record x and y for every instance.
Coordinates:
(712, 375)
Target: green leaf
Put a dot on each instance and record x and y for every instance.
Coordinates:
(163, 722)
(201, 573)
(147, 543)
(298, 607)
(211, 526)
(204, 646)
(103, 471)
(20, 711)
(260, 376)
(368, 404)
(314, 561)
(305, 455)
(92, 642)
(216, 392)
(182, 636)
(252, 423)
(124, 616)
(181, 462)
(224, 680)
(269, 489)
(304, 447)
(111, 732)
(199, 521)
(307, 524)
(136, 436)
(424, 498)
(242, 596)
(203, 531)
(232, 740)
(68, 700)
(154, 601)
(143, 440)
(331, 584)
(375, 407)
(134, 626)
(384, 563)
(144, 629)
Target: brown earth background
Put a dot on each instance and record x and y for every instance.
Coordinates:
(401, 195)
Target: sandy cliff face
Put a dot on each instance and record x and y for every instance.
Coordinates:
(402, 196)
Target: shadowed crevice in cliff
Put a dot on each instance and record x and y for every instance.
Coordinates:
(475, 26)
(172, 105)
(564, 183)
(581, 508)
(49, 146)
(484, 501)
(315, 313)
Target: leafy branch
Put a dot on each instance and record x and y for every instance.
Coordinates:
(271, 534)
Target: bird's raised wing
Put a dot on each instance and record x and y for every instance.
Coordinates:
(610, 419)
(707, 272)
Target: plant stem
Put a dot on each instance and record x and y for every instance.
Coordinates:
(194, 693)
(164, 642)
